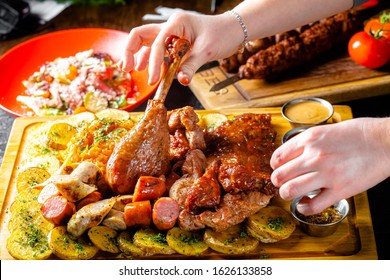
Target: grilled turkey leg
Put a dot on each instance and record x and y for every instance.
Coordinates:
(144, 150)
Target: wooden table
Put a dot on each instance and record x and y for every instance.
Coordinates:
(128, 16)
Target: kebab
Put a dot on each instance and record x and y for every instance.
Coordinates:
(296, 49)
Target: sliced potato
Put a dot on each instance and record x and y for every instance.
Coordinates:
(152, 242)
(212, 120)
(113, 114)
(233, 241)
(48, 162)
(31, 177)
(126, 245)
(30, 243)
(270, 224)
(104, 238)
(65, 247)
(80, 119)
(28, 228)
(59, 135)
(27, 216)
(185, 242)
(24, 199)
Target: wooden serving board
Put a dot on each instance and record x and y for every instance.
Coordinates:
(354, 239)
(334, 77)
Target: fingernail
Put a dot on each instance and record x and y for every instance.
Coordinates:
(183, 79)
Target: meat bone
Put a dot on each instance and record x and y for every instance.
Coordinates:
(144, 150)
(177, 48)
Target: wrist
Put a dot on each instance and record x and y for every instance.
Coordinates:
(234, 29)
(379, 139)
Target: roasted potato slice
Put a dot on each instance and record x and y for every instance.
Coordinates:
(49, 162)
(185, 242)
(113, 114)
(30, 243)
(152, 242)
(212, 120)
(66, 247)
(233, 241)
(28, 228)
(31, 177)
(24, 199)
(104, 238)
(59, 135)
(81, 119)
(270, 224)
(126, 245)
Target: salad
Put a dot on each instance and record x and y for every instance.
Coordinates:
(87, 81)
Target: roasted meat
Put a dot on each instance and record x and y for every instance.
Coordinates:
(236, 182)
(185, 133)
(234, 209)
(244, 146)
(145, 149)
(206, 191)
(293, 48)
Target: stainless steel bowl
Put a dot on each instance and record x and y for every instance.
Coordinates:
(293, 132)
(295, 123)
(320, 230)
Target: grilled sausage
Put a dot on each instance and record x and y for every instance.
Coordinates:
(92, 197)
(90, 215)
(115, 219)
(165, 213)
(148, 188)
(138, 213)
(87, 172)
(48, 190)
(296, 50)
(58, 210)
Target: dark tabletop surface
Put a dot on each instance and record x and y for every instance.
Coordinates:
(130, 15)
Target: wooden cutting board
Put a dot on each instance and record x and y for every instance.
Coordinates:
(354, 239)
(333, 76)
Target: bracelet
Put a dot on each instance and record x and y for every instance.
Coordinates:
(243, 26)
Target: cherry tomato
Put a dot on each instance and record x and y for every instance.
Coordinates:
(379, 26)
(369, 51)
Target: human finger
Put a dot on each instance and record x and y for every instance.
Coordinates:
(140, 36)
(142, 58)
(317, 204)
(191, 64)
(301, 185)
(286, 152)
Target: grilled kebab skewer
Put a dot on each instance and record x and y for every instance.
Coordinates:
(296, 49)
(144, 150)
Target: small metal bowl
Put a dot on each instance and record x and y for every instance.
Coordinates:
(293, 132)
(320, 230)
(294, 102)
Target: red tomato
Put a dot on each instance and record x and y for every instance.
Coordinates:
(368, 51)
(379, 26)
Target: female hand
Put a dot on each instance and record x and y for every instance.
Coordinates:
(146, 44)
(340, 159)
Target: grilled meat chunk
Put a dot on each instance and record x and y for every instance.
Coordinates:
(144, 150)
(188, 221)
(234, 209)
(244, 147)
(206, 191)
(194, 164)
(185, 134)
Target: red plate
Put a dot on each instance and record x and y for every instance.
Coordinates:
(20, 62)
